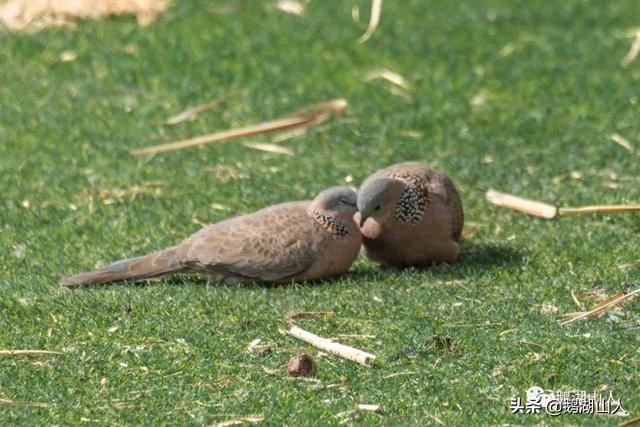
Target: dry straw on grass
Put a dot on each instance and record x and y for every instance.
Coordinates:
(6, 403)
(604, 306)
(312, 115)
(374, 20)
(269, 148)
(27, 352)
(388, 75)
(634, 50)
(250, 419)
(622, 141)
(34, 15)
(192, 112)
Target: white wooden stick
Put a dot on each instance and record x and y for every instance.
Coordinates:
(329, 346)
(527, 206)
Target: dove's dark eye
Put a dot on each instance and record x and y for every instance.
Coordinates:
(378, 207)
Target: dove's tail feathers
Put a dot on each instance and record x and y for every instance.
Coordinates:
(156, 264)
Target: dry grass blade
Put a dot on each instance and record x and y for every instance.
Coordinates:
(304, 315)
(355, 14)
(577, 301)
(287, 135)
(191, 113)
(374, 20)
(27, 352)
(269, 148)
(21, 15)
(531, 207)
(606, 305)
(398, 374)
(633, 51)
(313, 115)
(603, 301)
(388, 75)
(632, 422)
(291, 6)
(599, 209)
(622, 141)
(250, 419)
(6, 403)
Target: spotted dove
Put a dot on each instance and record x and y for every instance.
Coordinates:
(293, 241)
(410, 214)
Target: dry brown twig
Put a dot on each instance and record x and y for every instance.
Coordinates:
(604, 306)
(313, 115)
(341, 350)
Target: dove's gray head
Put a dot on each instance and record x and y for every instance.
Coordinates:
(337, 199)
(378, 198)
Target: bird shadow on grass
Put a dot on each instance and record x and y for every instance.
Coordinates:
(474, 259)
(482, 256)
(193, 279)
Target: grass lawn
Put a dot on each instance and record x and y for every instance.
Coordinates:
(514, 95)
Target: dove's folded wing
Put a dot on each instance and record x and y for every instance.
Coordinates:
(269, 245)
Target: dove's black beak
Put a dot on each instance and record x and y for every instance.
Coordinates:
(362, 220)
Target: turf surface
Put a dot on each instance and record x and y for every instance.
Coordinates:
(514, 95)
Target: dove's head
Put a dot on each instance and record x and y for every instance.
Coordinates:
(378, 198)
(339, 201)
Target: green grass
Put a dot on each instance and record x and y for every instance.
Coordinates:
(179, 355)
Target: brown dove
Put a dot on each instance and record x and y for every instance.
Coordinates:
(410, 214)
(293, 241)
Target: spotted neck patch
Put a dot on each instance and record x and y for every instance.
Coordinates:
(413, 200)
(329, 223)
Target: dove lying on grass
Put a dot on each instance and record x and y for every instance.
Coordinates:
(293, 241)
(410, 214)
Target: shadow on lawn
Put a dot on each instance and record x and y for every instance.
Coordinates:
(481, 256)
(474, 258)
